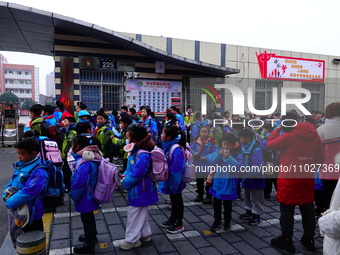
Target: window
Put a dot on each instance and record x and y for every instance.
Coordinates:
(18, 72)
(264, 94)
(28, 91)
(21, 82)
(21, 91)
(27, 82)
(317, 101)
(5, 71)
(6, 81)
(10, 72)
(101, 89)
(10, 81)
(27, 73)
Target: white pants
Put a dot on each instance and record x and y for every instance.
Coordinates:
(137, 225)
(254, 200)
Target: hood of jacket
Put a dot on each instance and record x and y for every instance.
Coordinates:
(90, 152)
(146, 144)
(305, 130)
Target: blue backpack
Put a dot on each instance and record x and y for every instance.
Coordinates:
(53, 194)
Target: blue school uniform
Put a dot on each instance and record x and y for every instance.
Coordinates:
(254, 179)
(176, 163)
(83, 183)
(30, 179)
(141, 190)
(208, 148)
(225, 183)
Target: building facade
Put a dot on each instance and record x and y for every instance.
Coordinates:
(323, 89)
(50, 85)
(21, 80)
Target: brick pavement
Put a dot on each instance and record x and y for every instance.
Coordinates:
(197, 238)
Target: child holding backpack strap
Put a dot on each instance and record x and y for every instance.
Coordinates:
(142, 192)
(28, 180)
(172, 143)
(83, 183)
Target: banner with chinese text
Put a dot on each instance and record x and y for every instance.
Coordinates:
(288, 68)
(159, 95)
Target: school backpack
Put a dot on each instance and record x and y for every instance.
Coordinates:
(189, 170)
(159, 168)
(108, 176)
(53, 193)
(49, 151)
(47, 130)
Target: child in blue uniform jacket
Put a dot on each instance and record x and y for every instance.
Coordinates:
(83, 182)
(142, 192)
(224, 181)
(253, 182)
(200, 148)
(30, 180)
(172, 143)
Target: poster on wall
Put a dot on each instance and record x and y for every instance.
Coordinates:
(288, 68)
(159, 95)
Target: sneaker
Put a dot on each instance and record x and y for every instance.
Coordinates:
(207, 200)
(83, 249)
(308, 243)
(226, 227)
(254, 221)
(81, 238)
(145, 239)
(246, 216)
(128, 246)
(167, 224)
(216, 225)
(174, 229)
(199, 198)
(283, 244)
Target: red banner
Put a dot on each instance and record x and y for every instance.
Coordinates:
(288, 68)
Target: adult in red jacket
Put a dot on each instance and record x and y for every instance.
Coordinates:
(300, 149)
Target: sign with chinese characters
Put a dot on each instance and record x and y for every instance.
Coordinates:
(288, 68)
(159, 95)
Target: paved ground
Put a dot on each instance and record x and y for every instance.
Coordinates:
(64, 227)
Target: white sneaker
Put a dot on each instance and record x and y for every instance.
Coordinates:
(145, 239)
(128, 246)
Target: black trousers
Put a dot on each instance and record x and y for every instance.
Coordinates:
(200, 186)
(287, 219)
(177, 208)
(67, 174)
(269, 185)
(328, 189)
(90, 229)
(227, 204)
(36, 225)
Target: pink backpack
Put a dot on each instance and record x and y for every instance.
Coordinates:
(107, 180)
(49, 151)
(160, 171)
(189, 170)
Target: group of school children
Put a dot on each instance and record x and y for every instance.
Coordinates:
(210, 146)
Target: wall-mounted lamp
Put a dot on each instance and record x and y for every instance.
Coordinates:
(336, 61)
(131, 75)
